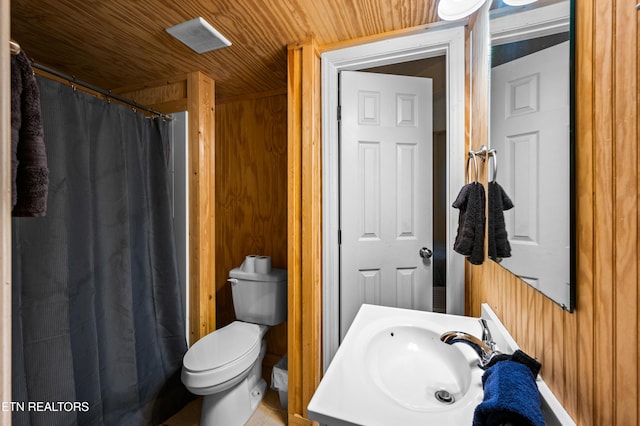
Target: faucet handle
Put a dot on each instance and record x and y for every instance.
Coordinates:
(486, 333)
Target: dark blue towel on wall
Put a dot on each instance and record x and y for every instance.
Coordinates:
(510, 397)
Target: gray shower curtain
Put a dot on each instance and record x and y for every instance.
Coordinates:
(98, 324)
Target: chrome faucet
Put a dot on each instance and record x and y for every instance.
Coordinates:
(485, 348)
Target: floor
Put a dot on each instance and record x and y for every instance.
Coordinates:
(269, 413)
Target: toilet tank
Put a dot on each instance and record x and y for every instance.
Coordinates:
(259, 292)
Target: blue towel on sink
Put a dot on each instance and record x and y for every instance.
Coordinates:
(511, 397)
(517, 356)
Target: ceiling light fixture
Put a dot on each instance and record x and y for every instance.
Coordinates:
(199, 35)
(452, 10)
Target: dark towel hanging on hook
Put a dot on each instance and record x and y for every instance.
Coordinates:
(498, 246)
(29, 171)
(469, 240)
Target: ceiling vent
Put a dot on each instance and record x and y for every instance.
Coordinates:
(199, 35)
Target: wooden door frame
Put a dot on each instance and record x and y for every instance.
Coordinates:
(447, 41)
(304, 223)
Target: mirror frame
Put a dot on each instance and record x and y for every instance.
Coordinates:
(503, 30)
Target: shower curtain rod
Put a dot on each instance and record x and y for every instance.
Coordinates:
(106, 93)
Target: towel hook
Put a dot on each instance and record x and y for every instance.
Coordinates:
(472, 155)
(494, 154)
(14, 47)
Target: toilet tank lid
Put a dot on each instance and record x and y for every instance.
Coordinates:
(275, 275)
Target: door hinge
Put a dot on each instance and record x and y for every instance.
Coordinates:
(339, 113)
(339, 236)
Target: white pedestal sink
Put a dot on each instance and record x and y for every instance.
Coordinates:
(392, 369)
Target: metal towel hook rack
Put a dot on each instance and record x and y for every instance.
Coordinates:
(484, 153)
(472, 155)
(14, 47)
(493, 153)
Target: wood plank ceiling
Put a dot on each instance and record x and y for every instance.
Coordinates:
(117, 43)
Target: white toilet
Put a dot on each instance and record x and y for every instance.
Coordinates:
(225, 366)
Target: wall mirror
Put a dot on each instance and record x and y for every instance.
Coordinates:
(531, 131)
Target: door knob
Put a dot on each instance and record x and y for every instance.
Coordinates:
(425, 253)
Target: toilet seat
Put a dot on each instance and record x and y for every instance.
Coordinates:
(222, 356)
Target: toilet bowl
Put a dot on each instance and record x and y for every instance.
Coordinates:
(225, 366)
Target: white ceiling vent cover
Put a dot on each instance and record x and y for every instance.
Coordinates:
(199, 35)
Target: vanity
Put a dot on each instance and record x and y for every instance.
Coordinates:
(392, 368)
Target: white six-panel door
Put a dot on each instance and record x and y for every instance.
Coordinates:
(530, 130)
(386, 192)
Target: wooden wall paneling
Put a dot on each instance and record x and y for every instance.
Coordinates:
(604, 211)
(501, 290)
(507, 283)
(518, 320)
(305, 227)
(5, 212)
(530, 321)
(514, 317)
(584, 138)
(480, 35)
(195, 93)
(294, 225)
(570, 364)
(166, 95)
(625, 182)
(637, 26)
(251, 198)
(506, 307)
(538, 312)
(558, 367)
(312, 222)
(544, 333)
(201, 109)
